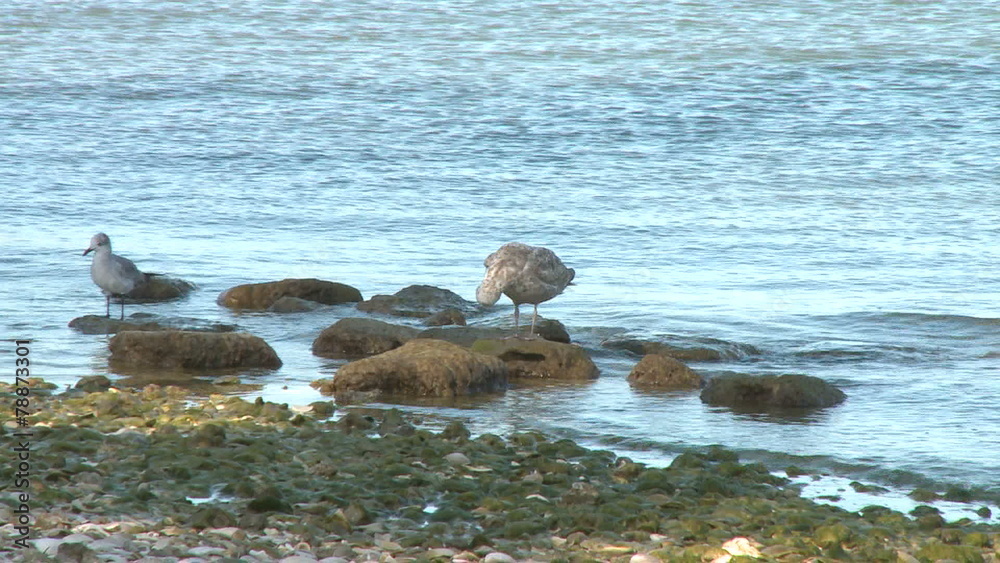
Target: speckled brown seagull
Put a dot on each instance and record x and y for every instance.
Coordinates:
(526, 274)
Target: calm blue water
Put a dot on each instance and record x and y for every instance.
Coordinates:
(816, 179)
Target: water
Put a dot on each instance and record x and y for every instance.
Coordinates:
(814, 179)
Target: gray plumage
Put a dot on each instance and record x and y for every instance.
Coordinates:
(116, 275)
(526, 274)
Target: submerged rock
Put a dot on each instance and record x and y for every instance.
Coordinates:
(93, 384)
(770, 391)
(97, 324)
(656, 370)
(260, 296)
(539, 358)
(357, 337)
(421, 368)
(160, 288)
(417, 301)
(684, 349)
(188, 350)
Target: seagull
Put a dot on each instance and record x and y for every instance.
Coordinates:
(116, 275)
(526, 274)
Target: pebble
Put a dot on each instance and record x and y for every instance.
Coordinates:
(457, 458)
(498, 557)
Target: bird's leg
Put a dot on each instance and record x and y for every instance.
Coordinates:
(533, 319)
(122, 298)
(107, 306)
(517, 313)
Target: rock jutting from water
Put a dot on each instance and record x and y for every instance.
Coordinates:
(770, 391)
(663, 372)
(466, 336)
(260, 296)
(358, 337)
(419, 301)
(420, 368)
(160, 288)
(188, 350)
(540, 359)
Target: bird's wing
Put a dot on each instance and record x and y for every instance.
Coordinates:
(125, 269)
(549, 268)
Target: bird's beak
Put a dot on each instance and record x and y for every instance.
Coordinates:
(85, 252)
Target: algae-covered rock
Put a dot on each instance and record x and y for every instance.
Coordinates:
(260, 296)
(540, 359)
(656, 370)
(417, 301)
(769, 391)
(361, 337)
(188, 350)
(422, 368)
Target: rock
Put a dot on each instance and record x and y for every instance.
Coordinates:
(449, 316)
(289, 304)
(357, 337)
(422, 368)
(656, 370)
(160, 288)
(764, 391)
(417, 301)
(96, 324)
(684, 349)
(178, 349)
(93, 383)
(540, 359)
(465, 336)
(260, 296)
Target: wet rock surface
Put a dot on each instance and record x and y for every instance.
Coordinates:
(418, 301)
(260, 296)
(770, 391)
(358, 337)
(188, 350)
(539, 358)
(663, 372)
(161, 475)
(99, 324)
(420, 368)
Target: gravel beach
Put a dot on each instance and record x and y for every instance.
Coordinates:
(163, 474)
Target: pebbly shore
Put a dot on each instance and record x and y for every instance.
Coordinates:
(162, 474)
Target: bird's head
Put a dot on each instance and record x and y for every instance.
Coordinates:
(100, 240)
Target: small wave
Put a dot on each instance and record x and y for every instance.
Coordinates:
(685, 348)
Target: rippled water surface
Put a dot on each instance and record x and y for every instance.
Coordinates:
(816, 180)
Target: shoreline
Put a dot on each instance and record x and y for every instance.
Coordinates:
(163, 474)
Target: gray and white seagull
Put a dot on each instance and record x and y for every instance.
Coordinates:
(116, 275)
(526, 274)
